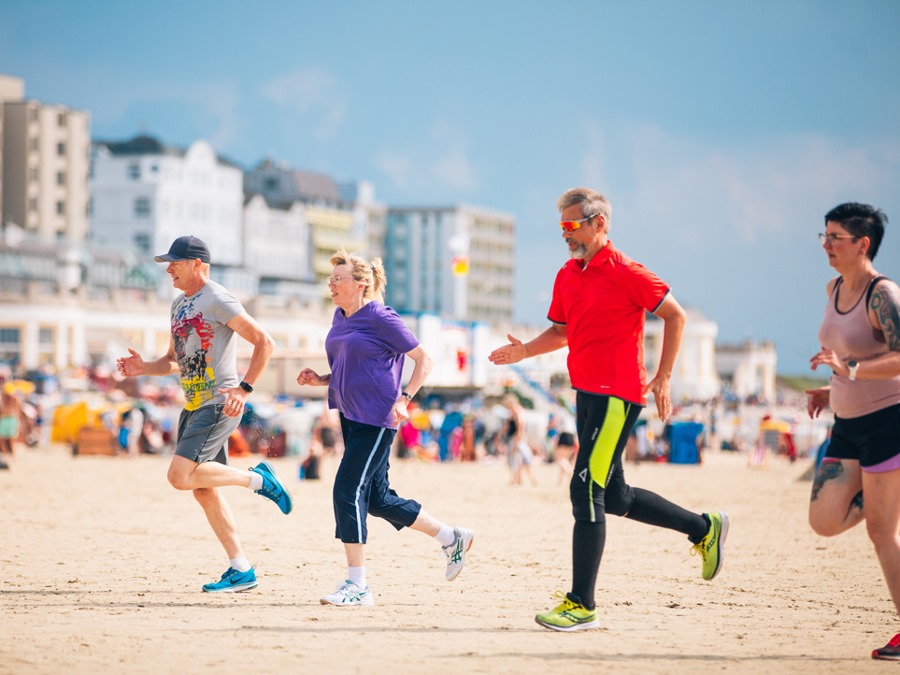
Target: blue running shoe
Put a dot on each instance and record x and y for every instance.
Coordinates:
(233, 582)
(272, 487)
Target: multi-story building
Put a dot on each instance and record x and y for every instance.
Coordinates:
(11, 89)
(45, 151)
(457, 262)
(145, 194)
(694, 377)
(748, 369)
(277, 248)
(334, 223)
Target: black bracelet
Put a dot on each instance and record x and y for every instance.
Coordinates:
(406, 395)
(246, 387)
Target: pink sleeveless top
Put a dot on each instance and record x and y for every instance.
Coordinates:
(852, 338)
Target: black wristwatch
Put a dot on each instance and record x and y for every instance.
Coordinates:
(406, 395)
(246, 387)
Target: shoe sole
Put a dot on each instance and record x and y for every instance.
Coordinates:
(879, 657)
(471, 541)
(723, 533)
(323, 601)
(587, 625)
(271, 471)
(232, 589)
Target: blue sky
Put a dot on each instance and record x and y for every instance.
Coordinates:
(720, 132)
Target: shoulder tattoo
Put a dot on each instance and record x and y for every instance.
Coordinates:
(886, 305)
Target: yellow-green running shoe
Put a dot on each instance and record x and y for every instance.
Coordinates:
(711, 546)
(568, 616)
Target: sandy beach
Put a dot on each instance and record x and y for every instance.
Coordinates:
(104, 563)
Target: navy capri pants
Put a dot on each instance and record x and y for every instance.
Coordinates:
(361, 485)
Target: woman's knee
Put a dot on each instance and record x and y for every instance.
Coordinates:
(828, 523)
(883, 532)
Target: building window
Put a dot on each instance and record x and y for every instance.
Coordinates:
(10, 345)
(142, 242)
(46, 344)
(34, 144)
(61, 178)
(134, 172)
(33, 115)
(61, 119)
(33, 174)
(272, 184)
(61, 149)
(32, 204)
(141, 207)
(61, 208)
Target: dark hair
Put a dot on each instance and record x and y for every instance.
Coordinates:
(860, 220)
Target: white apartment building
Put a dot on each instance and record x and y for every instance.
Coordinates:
(44, 166)
(145, 194)
(694, 377)
(456, 262)
(277, 248)
(749, 368)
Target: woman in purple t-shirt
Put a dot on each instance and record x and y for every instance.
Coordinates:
(366, 347)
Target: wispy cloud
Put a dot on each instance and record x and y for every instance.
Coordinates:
(442, 159)
(745, 190)
(312, 93)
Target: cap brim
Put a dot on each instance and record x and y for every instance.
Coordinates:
(168, 258)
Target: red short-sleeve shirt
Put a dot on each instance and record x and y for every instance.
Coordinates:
(602, 306)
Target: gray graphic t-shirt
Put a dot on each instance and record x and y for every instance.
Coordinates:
(204, 345)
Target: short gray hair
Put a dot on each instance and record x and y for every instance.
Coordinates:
(592, 203)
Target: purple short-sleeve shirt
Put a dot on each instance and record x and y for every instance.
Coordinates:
(366, 352)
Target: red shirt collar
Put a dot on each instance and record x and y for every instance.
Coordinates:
(602, 256)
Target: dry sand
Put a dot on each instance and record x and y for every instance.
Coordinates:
(104, 562)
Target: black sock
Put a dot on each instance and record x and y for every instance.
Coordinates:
(650, 508)
(587, 549)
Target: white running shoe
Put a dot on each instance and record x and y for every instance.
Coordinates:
(456, 552)
(349, 594)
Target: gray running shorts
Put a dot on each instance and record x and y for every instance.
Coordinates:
(203, 434)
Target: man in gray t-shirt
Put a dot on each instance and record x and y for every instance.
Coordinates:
(205, 320)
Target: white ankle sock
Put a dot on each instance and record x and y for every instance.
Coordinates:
(445, 535)
(357, 575)
(240, 564)
(256, 481)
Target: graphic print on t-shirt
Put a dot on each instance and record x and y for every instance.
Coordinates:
(193, 336)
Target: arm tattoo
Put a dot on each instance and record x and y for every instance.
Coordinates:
(886, 305)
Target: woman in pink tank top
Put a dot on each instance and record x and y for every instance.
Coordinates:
(859, 479)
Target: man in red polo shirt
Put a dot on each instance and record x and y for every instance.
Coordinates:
(599, 300)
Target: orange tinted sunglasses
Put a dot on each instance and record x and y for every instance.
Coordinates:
(572, 225)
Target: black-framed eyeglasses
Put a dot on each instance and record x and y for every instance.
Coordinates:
(831, 237)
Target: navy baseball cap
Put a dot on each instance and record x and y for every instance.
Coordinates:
(185, 248)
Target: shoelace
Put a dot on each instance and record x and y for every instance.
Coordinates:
(699, 549)
(454, 551)
(566, 602)
(267, 491)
